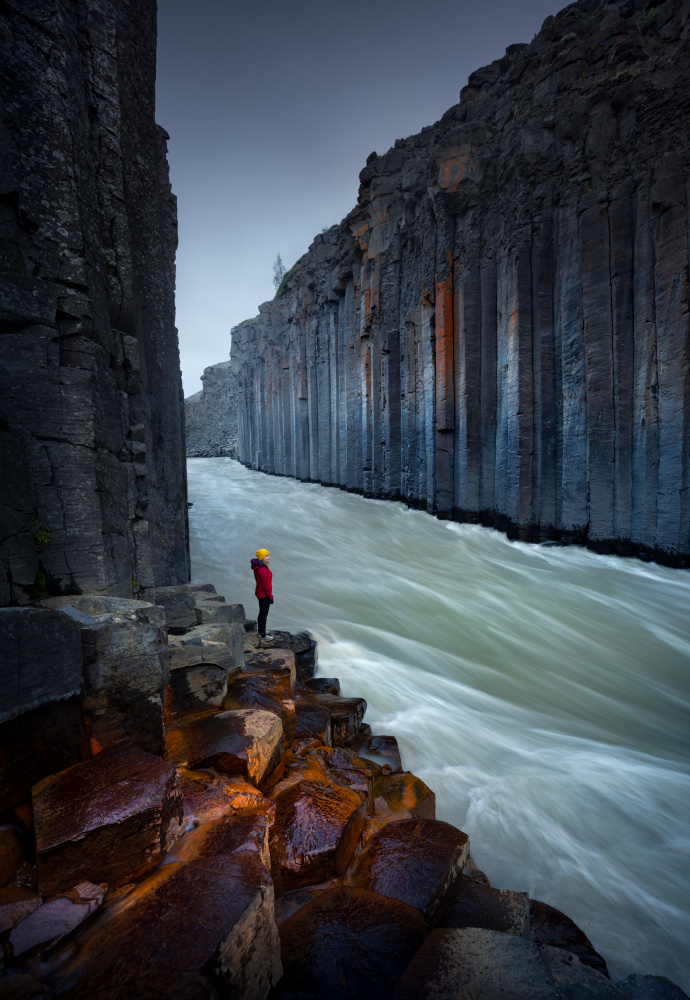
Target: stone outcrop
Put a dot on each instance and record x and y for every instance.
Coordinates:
(211, 415)
(91, 421)
(499, 331)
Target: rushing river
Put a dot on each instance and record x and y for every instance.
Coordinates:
(542, 693)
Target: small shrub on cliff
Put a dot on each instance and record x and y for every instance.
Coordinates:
(41, 535)
(278, 271)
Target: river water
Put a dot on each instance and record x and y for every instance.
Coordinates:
(542, 693)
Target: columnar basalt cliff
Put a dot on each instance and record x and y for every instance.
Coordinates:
(211, 415)
(91, 422)
(499, 332)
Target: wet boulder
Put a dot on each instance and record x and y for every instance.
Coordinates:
(639, 987)
(469, 903)
(316, 831)
(312, 721)
(348, 943)
(479, 964)
(46, 925)
(110, 819)
(322, 685)
(196, 929)
(549, 926)
(401, 793)
(126, 666)
(346, 715)
(16, 904)
(244, 742)
(269, 691)
(345, 768)
(386, 747)
(273, 661)
(412, 860)
(302, 645)
(225, 836)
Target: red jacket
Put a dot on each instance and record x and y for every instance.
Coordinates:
(263, 577)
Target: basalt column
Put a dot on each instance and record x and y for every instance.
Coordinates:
(91, 419)
(499, 331)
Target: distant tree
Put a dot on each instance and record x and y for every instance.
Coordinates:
(278, 271)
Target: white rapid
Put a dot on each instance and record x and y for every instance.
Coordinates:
(542, 693)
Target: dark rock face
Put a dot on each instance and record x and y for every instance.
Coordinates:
(499, 332)
(91, 423)
(211, 415)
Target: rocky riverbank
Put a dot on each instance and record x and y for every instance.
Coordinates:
(192, 813)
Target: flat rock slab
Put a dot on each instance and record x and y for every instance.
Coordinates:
(271, 660)
(16, 904)
(348, 943)
(221, 645)
(210, 919)
(414, 861)
(110, 819)
(46, 925)
(469, 903)
(246, 742)
(227, 835)
(549, 926)
(316, 831)
(478, 964)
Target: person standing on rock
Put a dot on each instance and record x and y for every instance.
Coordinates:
(264, 588)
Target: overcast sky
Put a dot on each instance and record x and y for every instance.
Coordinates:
(272, 110)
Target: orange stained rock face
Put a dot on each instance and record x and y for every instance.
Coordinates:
(361, 235)
(269, 690)
(456, 164)
(413, 860)
(209, 796)
(345, 768)
(312, 722)
(316, 832)
(445, 401)
(225, 836)
(404, 792)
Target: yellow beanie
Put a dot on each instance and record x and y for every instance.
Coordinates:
(262, 553)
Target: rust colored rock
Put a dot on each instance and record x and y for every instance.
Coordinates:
(269, 691)
(348, 943)
(385, 746)
(270, 661)
(413, 860)
(225, 836)
(110, 819)
(316, 832)
(470, 903)
(11, 854)
(404, 792)
(312, 721)
(244, 742)
(344, 767)
(46, 925)
(209, 797)
(549, 926)
(188, 929)
(15, 905)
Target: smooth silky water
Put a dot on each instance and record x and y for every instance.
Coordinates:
(542, 693)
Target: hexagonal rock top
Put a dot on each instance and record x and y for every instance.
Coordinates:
(316, 831)
(479, 964)
(186, 929)
(348, 943)
(110, 819)
(414, 860)
(247, 742)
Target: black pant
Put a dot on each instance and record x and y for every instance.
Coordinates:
(264, 605)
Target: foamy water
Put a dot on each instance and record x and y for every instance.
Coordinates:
(542, 693)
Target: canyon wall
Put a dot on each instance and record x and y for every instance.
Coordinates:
(211, 415)
(91, 414)
(499, 331)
